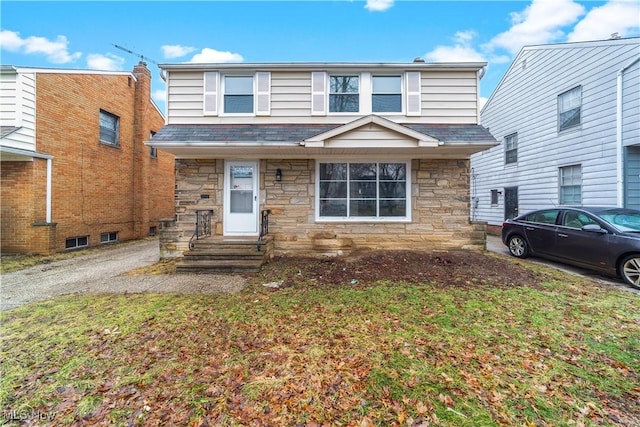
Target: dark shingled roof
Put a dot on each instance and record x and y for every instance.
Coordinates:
(296, 133)
(6, 130)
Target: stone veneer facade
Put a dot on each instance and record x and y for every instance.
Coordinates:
(440, 210)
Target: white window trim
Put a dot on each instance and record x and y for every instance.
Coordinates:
(558, 112)
(362, 220)
(561, 169)
(365, 94)
(361, 110)
(403, 94)
(223, 92)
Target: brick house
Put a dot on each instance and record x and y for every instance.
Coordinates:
(75, 171)
(336, 157)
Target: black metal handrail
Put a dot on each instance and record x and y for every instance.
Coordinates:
(203, 225)
(264, 226)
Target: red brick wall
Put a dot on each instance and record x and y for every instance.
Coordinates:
(96, 188)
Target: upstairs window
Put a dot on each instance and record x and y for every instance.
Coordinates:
(109, 126)
(387, 94)
(344, 94)
(569, 108)
(238, 94)
(571, 185)
(511, 148)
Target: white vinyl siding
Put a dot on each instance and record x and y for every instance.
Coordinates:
(18, 109)
(543, 73)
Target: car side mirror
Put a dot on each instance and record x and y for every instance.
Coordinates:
(594, 228)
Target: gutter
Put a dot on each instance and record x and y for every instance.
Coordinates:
(619, 141)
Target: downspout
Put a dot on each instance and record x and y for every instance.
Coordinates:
(48, 196)
(619, 141)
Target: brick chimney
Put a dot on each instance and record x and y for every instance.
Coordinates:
(142, 103)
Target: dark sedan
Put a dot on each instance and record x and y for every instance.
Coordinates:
(598, 238)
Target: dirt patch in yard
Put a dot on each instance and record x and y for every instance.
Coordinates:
(452, 268)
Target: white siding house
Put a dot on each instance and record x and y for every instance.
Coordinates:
(342, 156)
(17, 113)
(568, 120)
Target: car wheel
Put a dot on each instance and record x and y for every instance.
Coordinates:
(518, 246)
(630, 270)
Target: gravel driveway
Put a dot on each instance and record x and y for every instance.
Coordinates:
(102, 272)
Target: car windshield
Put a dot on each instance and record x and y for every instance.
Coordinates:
(622, 219)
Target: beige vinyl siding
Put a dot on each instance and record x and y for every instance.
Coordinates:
(448, 97)
(370, 136)
(17, 108)
(291, 94)
(185, 98)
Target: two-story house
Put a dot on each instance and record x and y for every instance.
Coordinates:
(342, 156)
(568, 117)
(75, 170)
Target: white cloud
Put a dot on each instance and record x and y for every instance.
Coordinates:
(460, 51)
(207, 55)
(616, 16)
(56, 51)
(106, 62)
(539, 23)
(159, 95)
(378, 5)
(176, 51)
(10, 40)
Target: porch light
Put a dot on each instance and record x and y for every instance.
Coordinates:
(278, 174)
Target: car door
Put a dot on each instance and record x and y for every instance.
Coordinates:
(540, 230)
(576, 245)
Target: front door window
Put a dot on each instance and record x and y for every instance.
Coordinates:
(241, 198)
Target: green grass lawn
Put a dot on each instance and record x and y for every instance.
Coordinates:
(562, 353)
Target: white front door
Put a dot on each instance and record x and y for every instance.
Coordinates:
(241, 198)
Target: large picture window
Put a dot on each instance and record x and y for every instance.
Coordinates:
(569, 107)
(344, 94)
(361, 191)
(238, 94)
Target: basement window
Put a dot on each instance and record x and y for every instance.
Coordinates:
(109, 237)
(77, 242)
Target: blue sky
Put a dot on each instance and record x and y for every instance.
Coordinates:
(82, 34)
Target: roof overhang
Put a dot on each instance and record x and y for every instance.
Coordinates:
(370, 136)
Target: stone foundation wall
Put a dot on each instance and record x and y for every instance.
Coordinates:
(439, 197)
